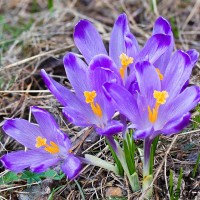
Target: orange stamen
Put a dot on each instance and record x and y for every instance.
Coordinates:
(160, 99)
(52, 148)
(89, 98)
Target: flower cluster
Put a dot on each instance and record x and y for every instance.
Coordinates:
(148, 87)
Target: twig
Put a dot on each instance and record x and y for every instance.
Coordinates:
(24, 91)
(165, 175)
(19, 186)
(36, 56)
(194, 131)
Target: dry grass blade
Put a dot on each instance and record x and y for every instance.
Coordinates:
(49, 53)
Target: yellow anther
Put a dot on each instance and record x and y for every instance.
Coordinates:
(160, 99)
(70, 151)
(160, 96)
(52, 148)
(89, 96)
(125, 61)
(159, 74)
(40, 142)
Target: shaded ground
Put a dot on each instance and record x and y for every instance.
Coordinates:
(33, 36)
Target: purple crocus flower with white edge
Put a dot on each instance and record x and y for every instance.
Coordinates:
(159, 106)
(123, 47)
(47, 145)
(88, 106)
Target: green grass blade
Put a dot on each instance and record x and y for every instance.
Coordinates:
(171, 185)
(178, 189)
(151, 162)
(131, 148)
(196, 121)
(196, 166)
(128, 157)
(152, 154)
(50, 4)
(131, 144)
(51, 196)
(175, 29)
(80, 189)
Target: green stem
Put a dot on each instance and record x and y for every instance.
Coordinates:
(147, 153)
(147, 177)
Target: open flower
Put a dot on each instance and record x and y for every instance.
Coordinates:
(88, 106)
(47, 145)
(123, 47)
(160, 106)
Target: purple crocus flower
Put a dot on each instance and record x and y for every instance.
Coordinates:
(47, 145)
(88, 106)
(123, 47)
(160, 106)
